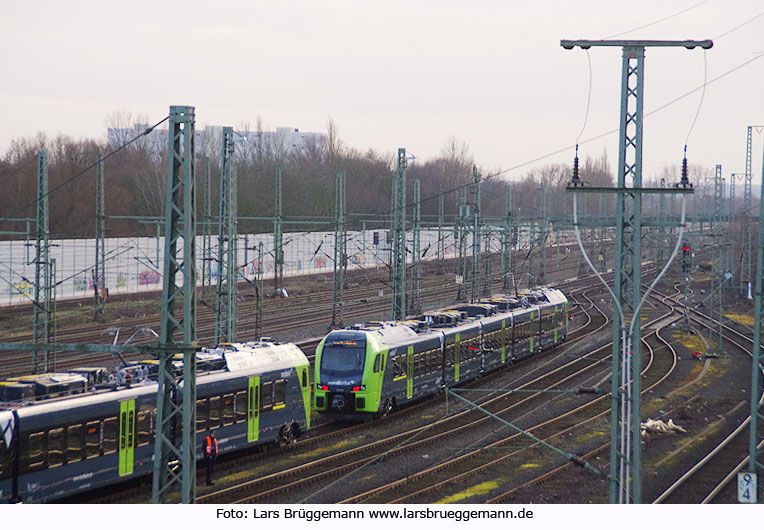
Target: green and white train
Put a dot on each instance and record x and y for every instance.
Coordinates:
(369, 369)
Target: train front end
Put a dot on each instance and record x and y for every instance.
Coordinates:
(344, 380)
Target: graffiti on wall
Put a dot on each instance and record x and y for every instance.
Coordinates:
(148, 277)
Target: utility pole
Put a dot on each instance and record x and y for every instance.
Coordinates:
(99, 271)
(718, 269)
(746, 277)
(756, 437)
(461, 235)
(207, 226)
(399, 238)
(506, 247)
(42, 288)
(475, 234)
(340, 231)
(180, 213)
(259, 281)
(543, 238)
(226, 311)
(416, 259)
(441, 241)
(625, 456)
(278, 243)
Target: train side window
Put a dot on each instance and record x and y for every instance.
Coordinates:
(377, 363)
(32, 450)
(214, 418)
(241, 406)
(304, 379)
(266, 396)
(56, 447)
(143, 428)
(279, 393)
(201, 415)
(93, 439)
(399, 366)
(382, 362)
(74, 452)
(110, 435)
(434, 360)
(228, 409)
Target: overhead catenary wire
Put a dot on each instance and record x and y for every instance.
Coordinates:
(88, 168)
(669, 17)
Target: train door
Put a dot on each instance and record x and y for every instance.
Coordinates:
(126, 437)
(457, 356)
(503, 341)
(253, 409)
(410, 372)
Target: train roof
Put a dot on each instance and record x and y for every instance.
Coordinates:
(262, 356)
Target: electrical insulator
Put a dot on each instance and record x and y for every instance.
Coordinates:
(576, 181)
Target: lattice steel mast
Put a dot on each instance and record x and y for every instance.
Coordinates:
(340, 242)
(180, 226)
(42, 289)
(399, 238)
(226, 317)
(625, 462)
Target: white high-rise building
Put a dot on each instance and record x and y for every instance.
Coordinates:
(269, 144)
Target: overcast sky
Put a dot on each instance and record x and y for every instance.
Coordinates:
(394, 73)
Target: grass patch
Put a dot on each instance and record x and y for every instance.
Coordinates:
(746, 320)
(323, 450)
(690, 341)
(474, 491)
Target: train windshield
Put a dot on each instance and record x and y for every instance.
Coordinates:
(343, 356)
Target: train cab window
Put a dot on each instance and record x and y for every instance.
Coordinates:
(93, 439)
(201, 415)
(214, 417)
(228, 409)
(74, 449)
(279, 393)
(266, 396)
(241, 406)
(56, 447)
(32, 451)
(110, 435)
(143, 428)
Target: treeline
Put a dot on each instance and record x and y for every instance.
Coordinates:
(135, 183)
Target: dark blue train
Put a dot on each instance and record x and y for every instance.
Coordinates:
(254, 393)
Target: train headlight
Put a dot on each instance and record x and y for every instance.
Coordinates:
(358, 388)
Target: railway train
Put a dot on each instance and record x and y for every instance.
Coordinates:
(370, 369)
(250, 394)
(255, 393)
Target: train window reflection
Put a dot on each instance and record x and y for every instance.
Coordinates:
(74, 448)
(143, 428)
(214, 418)
(55, 447)
(93, 439)
(110, 435)
(33, 450)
